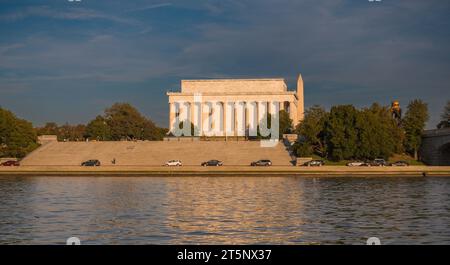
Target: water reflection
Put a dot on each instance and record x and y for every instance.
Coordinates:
(234, 210)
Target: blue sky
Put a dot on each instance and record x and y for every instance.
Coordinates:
(67, 61)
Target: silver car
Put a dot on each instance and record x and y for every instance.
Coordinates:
(174, 163)
(355, 164)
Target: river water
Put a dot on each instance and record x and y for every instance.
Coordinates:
(224, 210)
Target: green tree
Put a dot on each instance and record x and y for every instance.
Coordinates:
(413, 123)
(122, 121)
(302, 149)
(341, 135)
(311, 131)
(17, 136)
(445, 117)
(161, 132)
(378, 133)
(98, 129)
(69, 132)
(152, 132)
(349, 133)
(125, 122)
(50, 128)
(285, 123)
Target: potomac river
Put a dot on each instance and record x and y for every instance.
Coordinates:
(224, 210)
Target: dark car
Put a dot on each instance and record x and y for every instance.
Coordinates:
(262, 162)
(91, 163)
(314, 163)
(212, 163)
(11, 163)
(400, 164)
(378, 162)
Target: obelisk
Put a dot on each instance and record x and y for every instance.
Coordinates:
(300, 97)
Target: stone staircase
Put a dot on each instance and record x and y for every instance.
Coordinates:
(155, 153)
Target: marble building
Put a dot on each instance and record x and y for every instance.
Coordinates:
(233, 107)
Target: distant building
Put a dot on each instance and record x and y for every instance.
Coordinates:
(246, 101)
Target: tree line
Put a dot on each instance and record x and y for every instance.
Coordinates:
(121, 121)
(17, 136)
(345, 132)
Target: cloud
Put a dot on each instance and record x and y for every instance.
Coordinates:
(13, 88)
(96, 57)
(77, 13)
(348, 52)
(10, 47)
(149, 7)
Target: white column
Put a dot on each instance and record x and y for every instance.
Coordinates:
(207, 120)
(274, 108)
(240, 118)
(224, 117)
(196, 115)
(262, 110)
(253, 119)
(204, 116)
(183, 110)
(235, 118)
(177, 112)
(185, 117)
(218, 118)
(172, 112)
(229, 119)
(190, 106)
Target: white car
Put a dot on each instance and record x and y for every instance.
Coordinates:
(173, 163)
(355, 164)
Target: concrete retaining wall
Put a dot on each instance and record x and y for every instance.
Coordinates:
(435, 148)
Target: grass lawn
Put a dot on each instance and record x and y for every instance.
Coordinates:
(407, 158)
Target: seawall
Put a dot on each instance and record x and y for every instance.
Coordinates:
(332, 171)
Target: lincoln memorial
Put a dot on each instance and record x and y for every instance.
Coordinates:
(233, 107)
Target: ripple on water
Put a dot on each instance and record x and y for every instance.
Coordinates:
(246, 210)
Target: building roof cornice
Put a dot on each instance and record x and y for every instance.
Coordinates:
(232, 79)
(228, 93)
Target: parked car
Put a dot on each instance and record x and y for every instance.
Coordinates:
(91, 163)
(378, 162)
(210, 163)
(366, 164)
(262, 162)
(355, 164)
(400, 164)
(173, 163)
(11, 163)
(314, 163)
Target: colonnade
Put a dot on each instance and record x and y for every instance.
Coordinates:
(225, 118)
